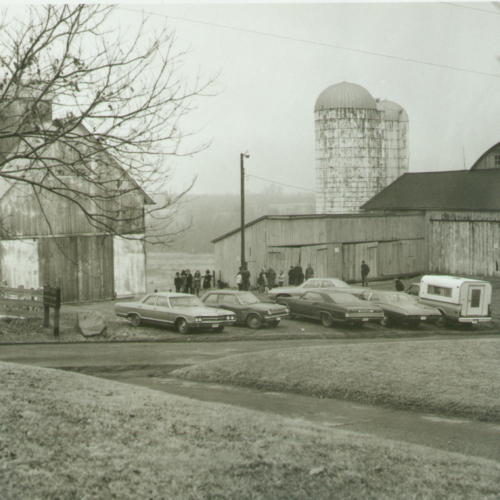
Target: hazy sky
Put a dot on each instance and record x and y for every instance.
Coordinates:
(268, 84)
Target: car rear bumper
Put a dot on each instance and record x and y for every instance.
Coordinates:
(480, 319)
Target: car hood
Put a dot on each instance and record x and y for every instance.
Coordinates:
(266, 306)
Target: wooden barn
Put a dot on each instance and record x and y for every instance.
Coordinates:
(462, 215)
(334, 245)
(46, 238)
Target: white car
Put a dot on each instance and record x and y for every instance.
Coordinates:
(332, 284)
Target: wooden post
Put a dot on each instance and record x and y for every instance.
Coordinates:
(56, 311)
(46, 316)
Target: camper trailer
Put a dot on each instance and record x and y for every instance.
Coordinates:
(459, 300)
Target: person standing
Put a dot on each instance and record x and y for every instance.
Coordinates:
(399, 285)
(184, 280)
(365, 269)
(178, 282)
(281, 278)
(299, 274)
(262, 280)
(197, 283)
(245, 276)
(271, 278)
(239, 280)
(189, 281)
(207, 280)
(291, 276)
(309, 272)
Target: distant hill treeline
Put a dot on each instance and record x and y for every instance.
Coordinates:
(199, 219)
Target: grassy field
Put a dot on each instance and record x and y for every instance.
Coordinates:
(459, 377)
(67, 436)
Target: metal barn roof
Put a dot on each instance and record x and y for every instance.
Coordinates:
(452, 190)
(345, 95)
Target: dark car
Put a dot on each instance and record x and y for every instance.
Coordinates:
(401, 307)
(246, 306)
(182, 311)
(329, 284)
(329, 306)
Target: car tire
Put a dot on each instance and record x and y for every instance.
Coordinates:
(326, 320)
(273, 324)
(385, 321)
(254, 321)
(442, 320)
(135, 320)
(182, 326)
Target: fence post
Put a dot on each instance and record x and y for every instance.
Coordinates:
(56, 311)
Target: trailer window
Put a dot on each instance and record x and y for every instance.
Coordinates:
(475, 299)
(439, 290)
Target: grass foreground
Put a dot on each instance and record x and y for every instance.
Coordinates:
(454, 377)
(68, 436)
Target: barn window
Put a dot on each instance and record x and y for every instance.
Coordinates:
(497, 160)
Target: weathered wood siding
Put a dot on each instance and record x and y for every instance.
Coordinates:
(81, 265)
(129, 266)
(19, 263)
(333, 245)
(464, 243)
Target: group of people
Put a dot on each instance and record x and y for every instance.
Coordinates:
(185, 282)
(296, 275)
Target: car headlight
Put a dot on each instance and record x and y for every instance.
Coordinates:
(197, 319)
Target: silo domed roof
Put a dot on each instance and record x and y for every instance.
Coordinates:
(393, 111)
(345, 95)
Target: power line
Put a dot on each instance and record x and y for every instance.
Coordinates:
(280, 183)
(322, 44)
(472, 8)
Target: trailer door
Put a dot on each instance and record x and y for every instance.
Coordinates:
(475, 300)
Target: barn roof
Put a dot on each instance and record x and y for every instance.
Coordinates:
(299, 217)
(451, 190)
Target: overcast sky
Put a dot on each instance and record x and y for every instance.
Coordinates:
(275, 59)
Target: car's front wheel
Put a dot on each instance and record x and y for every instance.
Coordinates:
(385, 321)
(182, 326)
(135, 319)
(326, 320)
(254, 321)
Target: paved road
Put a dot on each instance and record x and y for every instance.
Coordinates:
(148, 365)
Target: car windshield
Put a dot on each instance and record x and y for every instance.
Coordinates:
(341, 298)
(186, 302)
(248, 298)
(396, 297)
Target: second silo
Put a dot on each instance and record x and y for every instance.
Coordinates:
(361, 147)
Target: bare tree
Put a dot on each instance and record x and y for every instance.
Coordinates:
(89, 116)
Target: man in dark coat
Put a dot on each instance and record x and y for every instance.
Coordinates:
(399, 285)
(245, 278)
(189, 282)
(309, 272)
(299, 275)
(291, 276)
(178, 282)
(364, 273)
(271, 278)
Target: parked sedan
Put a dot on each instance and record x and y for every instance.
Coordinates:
(183, 311)
(332, 284)
(330, 306)
(399, 306)
(246, 306)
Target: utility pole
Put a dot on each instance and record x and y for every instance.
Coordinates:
(242, 167)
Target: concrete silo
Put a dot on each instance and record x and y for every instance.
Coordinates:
(361, 147)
